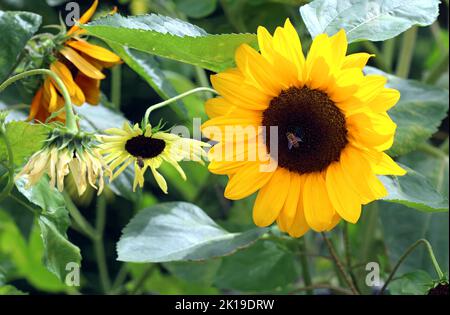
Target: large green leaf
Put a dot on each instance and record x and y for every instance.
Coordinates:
(262, 267)
(373, 20)
(16, 28)
(24, 138)
(177, 231)
(414, 190)
(418, 113)
(147, 67)
(53, 222)
(402, 227)
(171, 38)
(412, 283)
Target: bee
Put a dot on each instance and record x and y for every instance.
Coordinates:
(293, 140)
(140, 161)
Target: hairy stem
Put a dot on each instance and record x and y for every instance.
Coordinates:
(406, 254)
(305, 266)
(339, 265)
(71, 123)
(98, 244)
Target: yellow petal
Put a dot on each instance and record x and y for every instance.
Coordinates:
(35, 104)
(343, 198)
(338, 44)
(94, 51)
(299, 226)
(271, 198)
(246, 181)
(82, 65)
(90, 88)
(383, 164)
(84, 18)
(64, 74)
(385, 100)
(318, 209)
(358, 60)
(289, 210)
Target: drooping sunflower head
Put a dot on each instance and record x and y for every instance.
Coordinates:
(147, 148)
(78, 64)
(63, 153)
(318, 117)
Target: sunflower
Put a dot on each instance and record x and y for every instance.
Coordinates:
(64, 152)
(323, 122)
(148, 148)
(79, 65)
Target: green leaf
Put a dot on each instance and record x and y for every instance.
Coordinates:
(372, 20)
(19, 133)
(198, 272)
(262, 267)
(412, 283)
(177, 231)
(171, 38)
(10, 290)
(195, 8)
(413, 190)
(16, 28)
(418, 114)
(147, 67)
(53, 222)
(402, 227)
(25, 256)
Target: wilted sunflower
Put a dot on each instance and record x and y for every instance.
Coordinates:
(79, 65)
(64, 152)
(332, 130)
(148, 148)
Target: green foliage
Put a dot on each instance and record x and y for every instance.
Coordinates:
(196, 9)
(19, 131)
(171, 38)
(178, 231)
(414, 190)
(53, 221)
(16, 29)
(412, 283)
(367, 19)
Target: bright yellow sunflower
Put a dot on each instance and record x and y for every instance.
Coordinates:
(331, 131)
(79, 65)
(148, 148)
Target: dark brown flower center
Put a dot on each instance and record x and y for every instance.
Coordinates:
(145, 147)
(311, 130)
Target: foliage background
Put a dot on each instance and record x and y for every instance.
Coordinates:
(271, 265)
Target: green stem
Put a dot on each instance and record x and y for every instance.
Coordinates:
(406, 52)
(141, 280)
(116, 85)
(406, 254)
(431, 150)
(120, 278)
(305, 266)
(202, 80)
(76, 215)
(99, 246)
(348, 255)
(438, 69)
(10, 184)
(339, 265)
(71, 123)
(174, 99)
(388, 53)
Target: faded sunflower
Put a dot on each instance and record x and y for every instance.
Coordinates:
(148, 148)
(332, 129)
(64, 153)
(79, 65)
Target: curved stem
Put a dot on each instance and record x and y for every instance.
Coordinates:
(99, 246)
(71, 123)
(173, 99)
(406, 254)
(9, 186)
(339, 265)
(305, 266)
(141, 280)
